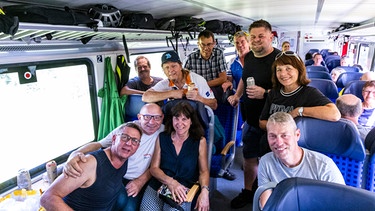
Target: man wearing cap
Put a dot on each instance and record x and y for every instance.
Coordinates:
(176, 86)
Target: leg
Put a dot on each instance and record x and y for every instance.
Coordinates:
(251, 138)
(133, 203)
(151, 201)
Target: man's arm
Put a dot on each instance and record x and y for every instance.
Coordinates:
(72, 168)
(135, 186)
(218, 81)
(152, 96)
(128, 91)
(52, 199)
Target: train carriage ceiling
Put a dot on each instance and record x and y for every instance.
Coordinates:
(284, 15)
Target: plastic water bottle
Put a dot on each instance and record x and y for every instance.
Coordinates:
(24, 179)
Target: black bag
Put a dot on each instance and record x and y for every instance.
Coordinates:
(229, 27)
(8, 25)
(138, 21)
(166, 195)
(39, 14)
(215, 26)
(181, 23)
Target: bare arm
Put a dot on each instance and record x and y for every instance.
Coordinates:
(72, 167)
(52, 199)
(203, 202)
(152, 96)
(235, 99)
(327, 112)
(218, 81)
(128, 91)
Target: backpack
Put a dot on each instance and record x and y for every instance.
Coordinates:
(215, 26)
(181, 23)
(138, 21)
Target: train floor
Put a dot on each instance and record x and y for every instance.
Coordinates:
(226, 190)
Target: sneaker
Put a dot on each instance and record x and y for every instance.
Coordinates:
(244, 198)
(229, 175)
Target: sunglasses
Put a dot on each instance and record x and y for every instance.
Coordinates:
(241, 33)
(287, 53)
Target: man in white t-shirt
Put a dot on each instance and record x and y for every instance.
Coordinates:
(150, 119)
(287, 159)
(178, 82)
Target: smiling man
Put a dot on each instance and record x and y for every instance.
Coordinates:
(287, 159)
(177, 84)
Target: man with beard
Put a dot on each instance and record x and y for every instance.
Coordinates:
(258, 64)
(138, 85)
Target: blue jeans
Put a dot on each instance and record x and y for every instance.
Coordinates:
(129, 203)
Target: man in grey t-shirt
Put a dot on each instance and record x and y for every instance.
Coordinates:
(287, 159)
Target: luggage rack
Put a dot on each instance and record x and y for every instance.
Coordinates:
(41, 32)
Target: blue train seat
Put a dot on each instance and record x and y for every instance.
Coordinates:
(308, 194)
(324, 53)
(370, 145)
(350, 68)
(355, 88)
(338, 140)
(316, 68)
(346, 77)
(313, 50)
(332, 62)
(319, 74)
(132, 106)
(325, 86)
(309, 62)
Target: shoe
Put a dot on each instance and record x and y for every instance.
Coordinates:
(244, 198)
(229, 175)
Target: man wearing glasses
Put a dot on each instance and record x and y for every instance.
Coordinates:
(144, 81)
(209, 62)
(98, 186)
(150, 120)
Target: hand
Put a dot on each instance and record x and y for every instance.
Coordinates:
(203, 202)
(226, 85)
(233, 100)
(133, 187)
(71, 168)
(255, 92)
(193, 94)
(178, 191)
(178, 94)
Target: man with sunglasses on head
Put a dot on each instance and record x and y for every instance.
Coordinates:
(135, 180)
(209, 62)
(257, 64)
(99, 184)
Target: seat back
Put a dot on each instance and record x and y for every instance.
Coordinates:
(346, 77)
(350, 68)
(324, 53)
(309, 62)
(316, 68)
(319, 74)
(332, 63)
(313, 50)
(339, 140)
(308, 194)
(370, 145)
(355, 88)
(133, 105)
(326, 87)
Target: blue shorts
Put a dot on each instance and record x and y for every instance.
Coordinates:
(251, 137)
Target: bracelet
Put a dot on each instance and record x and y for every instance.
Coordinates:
(205, 187)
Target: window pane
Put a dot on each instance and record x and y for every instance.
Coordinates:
(44, 119)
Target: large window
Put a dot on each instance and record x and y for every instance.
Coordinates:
(46, 111)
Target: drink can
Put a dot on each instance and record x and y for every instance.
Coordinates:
(250, 81)
(24, 179)
(51, 169)
(191, 86)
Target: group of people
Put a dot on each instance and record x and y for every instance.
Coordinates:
(142, 156)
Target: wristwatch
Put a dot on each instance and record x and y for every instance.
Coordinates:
(300, 111)
(205, 187)
(265, 93)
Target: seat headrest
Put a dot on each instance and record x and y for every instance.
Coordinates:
(339, 138)
(325, 86)
(355, 88)
(198, 107)
(370, 141)
(346, 77)
(308, 194)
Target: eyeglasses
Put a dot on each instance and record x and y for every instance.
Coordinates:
(148, 117)
(208, 45)
(126, 138)
(241, 33)
(287, 53)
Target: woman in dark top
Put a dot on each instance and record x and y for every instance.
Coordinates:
(179, 161)
(291, 94)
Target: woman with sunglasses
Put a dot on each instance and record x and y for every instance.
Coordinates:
(291, 94)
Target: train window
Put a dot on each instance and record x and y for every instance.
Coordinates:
(46, 111)
(364, 57)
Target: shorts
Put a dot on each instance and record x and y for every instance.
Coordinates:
(251, 137)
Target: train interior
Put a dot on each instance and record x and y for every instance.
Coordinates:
(51, 74)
